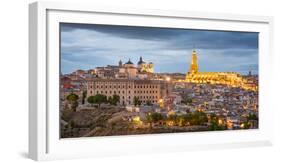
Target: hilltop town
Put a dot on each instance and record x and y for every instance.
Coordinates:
(128, 98)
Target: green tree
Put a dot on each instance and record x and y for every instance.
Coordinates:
(84, 94)
(154, 117)
(91, 100)
(97, 99)
(197, 118)
(115, 99)
(137, 101)
(72, 98)
(110, 100)
(149, 103)
(214, 123)
(252, 117)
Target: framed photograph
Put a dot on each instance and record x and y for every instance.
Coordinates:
(109, 81)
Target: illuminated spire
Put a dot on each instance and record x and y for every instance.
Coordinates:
(194, 64)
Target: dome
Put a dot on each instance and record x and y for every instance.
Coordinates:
(141, 61)
(129, 62)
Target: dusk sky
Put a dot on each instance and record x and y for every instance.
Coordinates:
(86, 46)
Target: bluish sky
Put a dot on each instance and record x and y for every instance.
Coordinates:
(86, 46)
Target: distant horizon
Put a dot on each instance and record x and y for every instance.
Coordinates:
(87, 46)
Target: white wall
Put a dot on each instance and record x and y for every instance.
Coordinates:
(14, 78)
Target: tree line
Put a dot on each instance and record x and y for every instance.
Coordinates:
(98, 99)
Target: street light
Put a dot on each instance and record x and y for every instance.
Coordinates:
(161, 102)
(168, 79)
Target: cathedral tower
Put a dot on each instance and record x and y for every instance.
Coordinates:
(194, 63)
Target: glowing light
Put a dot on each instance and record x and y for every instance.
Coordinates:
(170, 123)
(161, 103)
(137, 120)
(168, 79)
(220, 122)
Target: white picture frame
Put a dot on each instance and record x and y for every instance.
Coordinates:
(44, 142)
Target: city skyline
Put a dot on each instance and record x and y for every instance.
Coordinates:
(86, 46)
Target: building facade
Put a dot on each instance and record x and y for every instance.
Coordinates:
(125, 71)
(147, 91)
(145, 67)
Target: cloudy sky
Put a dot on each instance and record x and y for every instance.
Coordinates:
(86, 46)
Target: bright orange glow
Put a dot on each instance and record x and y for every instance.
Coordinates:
(220, 122)
(168, 79)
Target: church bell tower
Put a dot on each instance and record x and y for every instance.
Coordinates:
(194, 63)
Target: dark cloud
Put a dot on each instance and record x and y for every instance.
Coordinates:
(88, 45)
(176, 38)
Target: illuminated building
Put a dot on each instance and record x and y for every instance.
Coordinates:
(228, 78)
(145, 67)
(125, 71)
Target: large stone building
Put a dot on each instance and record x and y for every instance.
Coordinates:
(145, 67)
(228, 78)
(125, 71)
(145, 90)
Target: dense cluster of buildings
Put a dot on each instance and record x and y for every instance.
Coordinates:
(229, 95)
(231, 104)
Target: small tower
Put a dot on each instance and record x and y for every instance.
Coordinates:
(250, 73)
(120, 63)
(194, 63)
